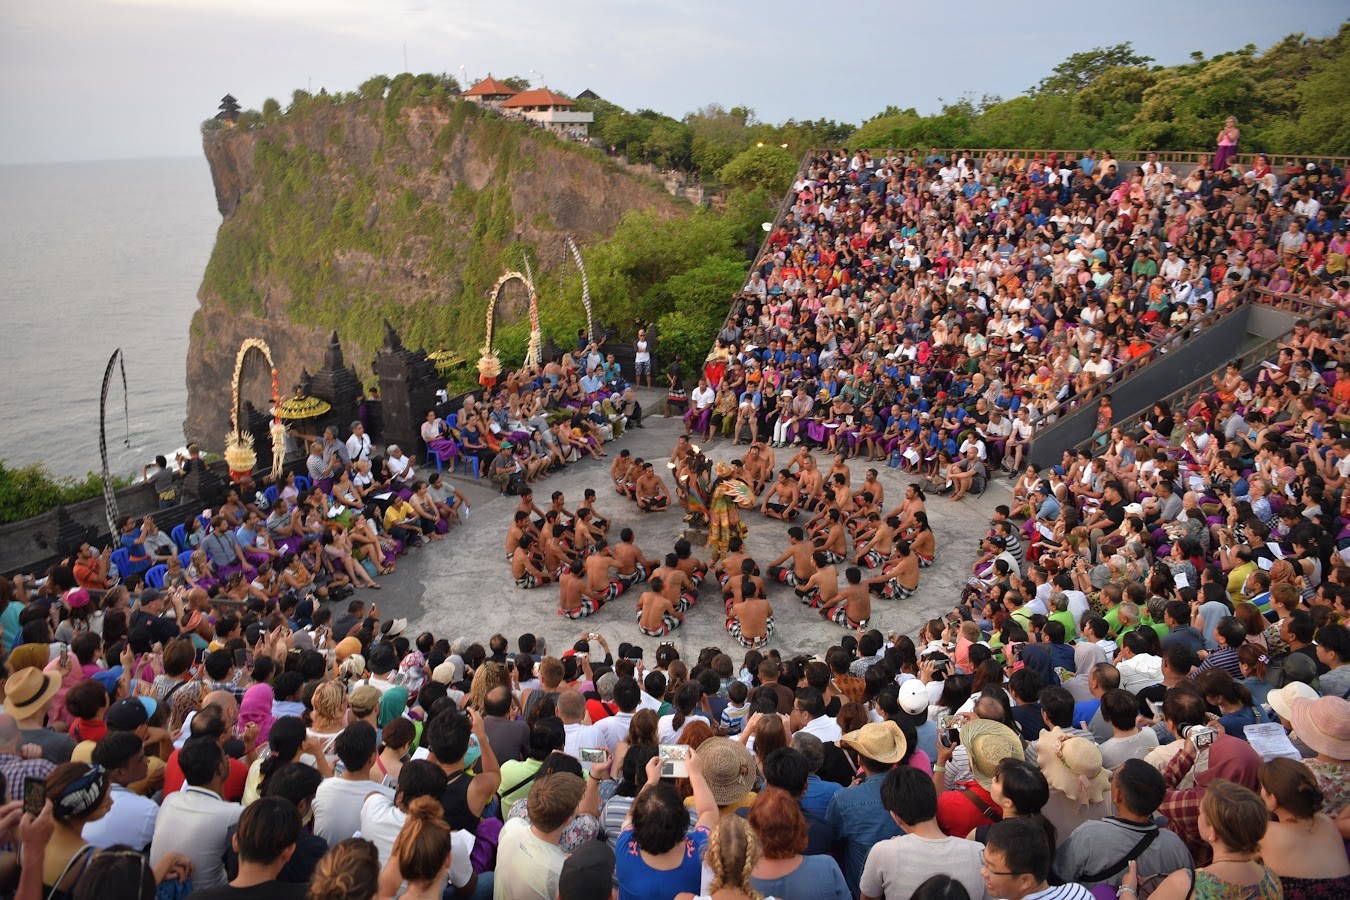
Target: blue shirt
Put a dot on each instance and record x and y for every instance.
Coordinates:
(927, 738)
(816, 806)
(817, 878)
(639, 881)
(859, 820)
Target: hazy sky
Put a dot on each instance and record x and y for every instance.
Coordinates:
(101, 79)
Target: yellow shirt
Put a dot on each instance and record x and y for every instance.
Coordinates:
(1237, 578)
(396, 513)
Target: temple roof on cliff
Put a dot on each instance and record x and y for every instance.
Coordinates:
(490, 87)
(228, 98)
(588, 94)
(538, 97)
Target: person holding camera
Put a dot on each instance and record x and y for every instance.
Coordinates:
(1207, 755)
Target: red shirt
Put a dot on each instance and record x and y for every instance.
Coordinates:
(88, 729)
(957, 816)
(598, 710)
(231, 791)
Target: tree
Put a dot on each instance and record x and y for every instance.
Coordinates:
(516, 82)
(769, 167)
(373, 88)
(271, 109)
(1077, 72)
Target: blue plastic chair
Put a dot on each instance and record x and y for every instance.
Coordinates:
(452, 420)
(121, 557)
(179, 535)
(475, 462)
(154, 576)
(271, 495)
(185, 558)
(303, 484)
(440, 466)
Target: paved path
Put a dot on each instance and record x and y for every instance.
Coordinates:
(463, 586)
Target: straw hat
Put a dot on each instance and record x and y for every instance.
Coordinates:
(1281, 699)
(989, 743)
(1072, 766)
(28, 689)
(1324, 725)
(728, 768)
(882, 741)
(445, 673)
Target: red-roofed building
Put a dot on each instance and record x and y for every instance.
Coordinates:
(550, 110)
(489, 92)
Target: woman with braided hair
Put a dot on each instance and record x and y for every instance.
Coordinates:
(732, 853)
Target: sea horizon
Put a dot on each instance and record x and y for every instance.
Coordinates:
(100, 254)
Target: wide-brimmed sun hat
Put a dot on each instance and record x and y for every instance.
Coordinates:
(881, 741)
(1073, 766)
(1282, 699)
(989, 743)
(1323, 725)
(728, 768)
(28, 689)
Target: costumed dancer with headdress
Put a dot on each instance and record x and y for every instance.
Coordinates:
(728, 497)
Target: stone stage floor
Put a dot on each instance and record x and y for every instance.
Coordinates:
(462, 586)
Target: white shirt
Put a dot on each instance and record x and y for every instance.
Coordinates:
(527, 866)
(668, 734)
(130, 821)
(381, 821)
(613, 729)
(703, 397)
(338, 804)
(194, 822)
(1078, 604)
(581, 737)
(825, 728)
(358, 448)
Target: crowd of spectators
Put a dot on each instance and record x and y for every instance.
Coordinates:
(907, 301)
(1143, 691)
(1001, 752)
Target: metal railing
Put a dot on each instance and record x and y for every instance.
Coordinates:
(1247, 361)
(737, 301)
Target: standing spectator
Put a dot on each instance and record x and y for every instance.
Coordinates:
(194, 821)
(337, 805)
(856, 814)
(131, 818)
(657, 855)
(1231, 821)
(1100, 851)
(1016, 864)
(897, 866)
(266, 838)
(529, 860)
(782, 870)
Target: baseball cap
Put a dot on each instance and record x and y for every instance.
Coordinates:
(130, 713)
(913, 697)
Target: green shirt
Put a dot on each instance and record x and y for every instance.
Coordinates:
(1065, 618)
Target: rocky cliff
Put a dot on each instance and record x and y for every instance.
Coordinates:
(343, 215)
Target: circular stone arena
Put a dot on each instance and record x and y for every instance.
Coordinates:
(462, 586)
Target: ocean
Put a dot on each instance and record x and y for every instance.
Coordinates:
(96, 256)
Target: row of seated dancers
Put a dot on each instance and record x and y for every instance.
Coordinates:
(572, 548)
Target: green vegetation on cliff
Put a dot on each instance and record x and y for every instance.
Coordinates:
(1289, 99)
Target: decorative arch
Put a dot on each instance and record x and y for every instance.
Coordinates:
(585, 285)
(109, 495)
(239, 452)
(489, 364)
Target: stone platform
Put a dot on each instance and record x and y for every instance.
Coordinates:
(463, 585)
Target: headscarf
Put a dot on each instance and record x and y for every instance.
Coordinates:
(1085, 655)
(256, 707)
(393, 703)
(1281, 570)
(1231, 759)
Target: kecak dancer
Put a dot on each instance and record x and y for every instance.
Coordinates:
(729, 495)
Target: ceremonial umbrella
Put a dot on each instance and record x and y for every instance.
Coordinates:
(302, 407)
